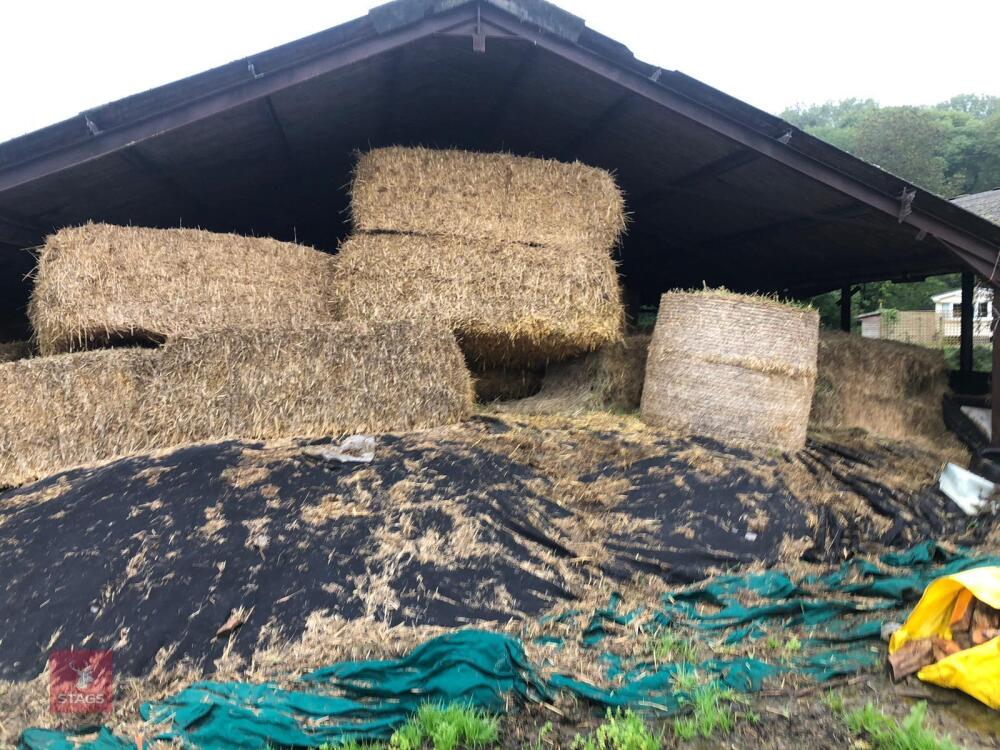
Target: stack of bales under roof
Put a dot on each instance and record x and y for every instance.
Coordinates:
(66, 410)
(732, 367)
(513, 253)
(887, 388)
(100, 284)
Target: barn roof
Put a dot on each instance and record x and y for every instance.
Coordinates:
(986, 204)
(720, 192)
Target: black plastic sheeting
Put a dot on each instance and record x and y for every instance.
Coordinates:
(149, 553)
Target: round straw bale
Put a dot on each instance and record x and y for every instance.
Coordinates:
(887, 388)
(495, 196)
(609, 379)
(346, 377)
(72, 409)
(732, 367)
(509, 304)
(98, 284)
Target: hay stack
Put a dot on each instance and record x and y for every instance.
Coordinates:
(497, 197)
(609, 379)
(732, 367)
(100, 284)
(890, 389)
(509, 304)
(71, 409)
(347, 377)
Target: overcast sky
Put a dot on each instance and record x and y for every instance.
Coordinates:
(60, 58)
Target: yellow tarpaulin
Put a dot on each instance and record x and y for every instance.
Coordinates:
(975, 670)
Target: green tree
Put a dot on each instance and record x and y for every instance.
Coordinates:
(907, 141)
(833, 122)
(972, 104)
(988, 155)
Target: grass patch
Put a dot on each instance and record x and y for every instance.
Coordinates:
(620, 731)
(712, 712)
(667, 646)
(885, 733)
(443, 728)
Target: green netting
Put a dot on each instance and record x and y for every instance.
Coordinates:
(368, 700)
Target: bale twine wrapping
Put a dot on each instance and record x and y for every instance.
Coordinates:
(508, 304)
(887, 388)
(71, 409)
(492, 196)
(98, 284)
(348, 377)
(609, 379)
(66, 410)
(732, 367)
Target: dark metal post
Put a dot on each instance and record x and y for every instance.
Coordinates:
(968, 312)
(845, 309)
(995, 384)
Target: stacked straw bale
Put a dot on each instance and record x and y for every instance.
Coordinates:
(351, 376)
(513, 253)
(489, 196)
(609, 379)
(71, 409)
(509, 304)
(100, 284)
(887, 388)
(732, 367)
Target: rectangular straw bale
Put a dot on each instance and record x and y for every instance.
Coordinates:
(509, 304)
(98, 284)
(71, 409)
(496, 196)
(352, 376)
(66, 410)
(887, 388)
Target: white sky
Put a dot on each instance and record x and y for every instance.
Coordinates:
(60, 58)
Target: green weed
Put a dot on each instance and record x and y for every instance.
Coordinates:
(667, 646)
(885, 733)
(834, 701)
(687, 680)
(712, 712)
(446, 728)
(620, 731)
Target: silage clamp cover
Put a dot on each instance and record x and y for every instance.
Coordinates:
(487, 670)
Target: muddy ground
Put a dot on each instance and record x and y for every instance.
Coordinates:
(792, 720)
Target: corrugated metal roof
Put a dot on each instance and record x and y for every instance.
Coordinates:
(986, 204)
